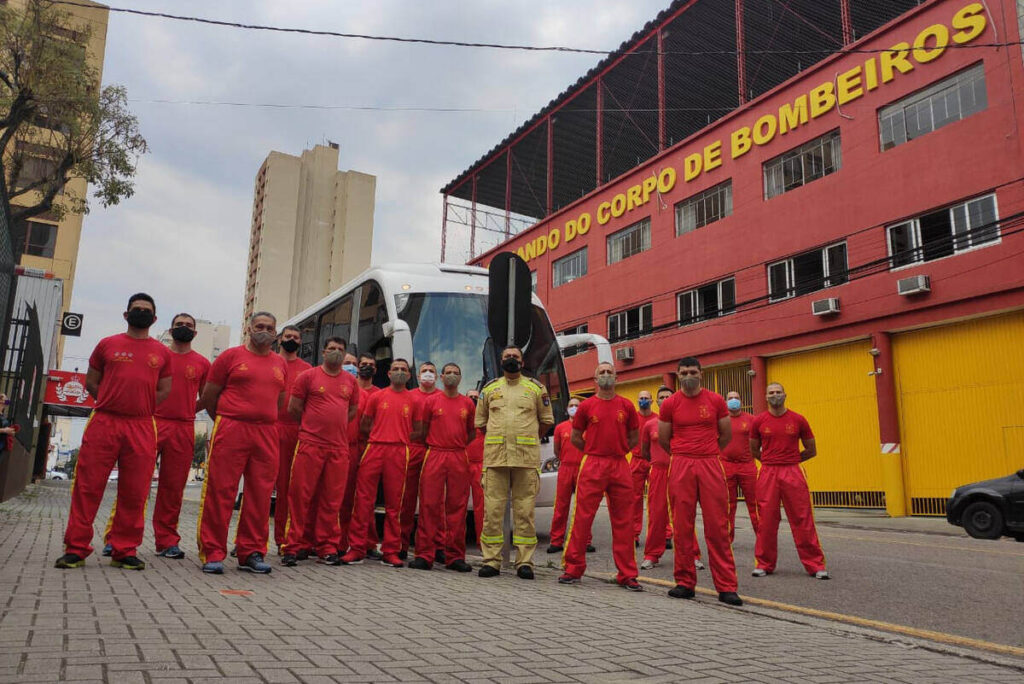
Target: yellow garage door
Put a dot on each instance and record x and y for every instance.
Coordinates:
(832, 389)
(960, 389)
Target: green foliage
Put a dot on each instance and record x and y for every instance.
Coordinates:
(199, 450)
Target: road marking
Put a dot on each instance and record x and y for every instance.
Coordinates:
(923, 544)
(941, 637)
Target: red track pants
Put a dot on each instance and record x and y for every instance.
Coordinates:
(412, 491)
(640, 470)
(692, 480)
(565, 487)
(444, 498)
(476, 490)
(237, 449)
(356, 450)
(387, 463)
(657, 513)
(741, 476)
(788, 485)
(129, 442)
(317, 486)
(600, 476)
(287, 438)
(175, 442)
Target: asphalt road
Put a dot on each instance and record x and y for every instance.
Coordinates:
(915, 572)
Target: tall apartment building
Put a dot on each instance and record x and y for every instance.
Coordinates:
(312, 230)
(45, 243)
(211, 339)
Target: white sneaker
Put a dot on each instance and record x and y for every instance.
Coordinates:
(647, 564)
(822, 574)
(698, 563)
(758, 572)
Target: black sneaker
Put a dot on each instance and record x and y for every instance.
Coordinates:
(128, 563)
(374, 554)
(403, 554)
(68, 561)
(555, 548)
(730, 597)
(255, 563)
(459, 565)
(171, 552)
(488, 571)
(668, 544)
(566, 578)
(108, 550)
(682, 592)
(439, 556)
(632, 585)
(524, 572)
(591, 548)
(419, 564)
(330, 559)
(289, 560)
(234, 552)
(303, 554)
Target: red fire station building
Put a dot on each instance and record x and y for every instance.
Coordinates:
(828, 194)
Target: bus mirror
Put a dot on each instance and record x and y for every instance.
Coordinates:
(392, 327)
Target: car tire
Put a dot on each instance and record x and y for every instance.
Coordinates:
(983, 520)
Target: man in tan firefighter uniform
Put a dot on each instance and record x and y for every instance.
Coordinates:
(514, 412)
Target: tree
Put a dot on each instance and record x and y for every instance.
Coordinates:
(199, 450)
(56, 122)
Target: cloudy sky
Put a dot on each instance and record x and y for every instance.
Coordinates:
(183, 237)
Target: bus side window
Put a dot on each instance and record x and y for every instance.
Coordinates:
(373, 314)
(308, 352)
(337, 322)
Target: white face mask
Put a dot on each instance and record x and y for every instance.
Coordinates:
(428, 377)
(572, 411)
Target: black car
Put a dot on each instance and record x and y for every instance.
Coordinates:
(990, 509)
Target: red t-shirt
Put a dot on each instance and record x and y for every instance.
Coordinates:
(780, 436)
(637, 462)
(392, 414)
(448, 420)
(188, 375)
(252, 384)
(738, 448)
(605, 424)
(649, 436)
(694, 422)
(327, 398)
(568, 454)
(294, 369)
(131, 369)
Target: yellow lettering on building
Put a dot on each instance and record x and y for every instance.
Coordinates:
(848, 86)
(554, 237)
(895, 59)
(649, 185)
(969, 22)
(765, 128)
(604, 212)
(692, 166)
(740, 142)
(583, 224)
(870, 74)
(793, 115)
(633, 197)
(937, 32)
(823, 99)
(666, 180)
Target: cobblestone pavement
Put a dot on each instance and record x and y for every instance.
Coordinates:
(370, 623)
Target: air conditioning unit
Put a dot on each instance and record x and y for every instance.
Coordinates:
(825, 307)
(913, 285)
(624, 354)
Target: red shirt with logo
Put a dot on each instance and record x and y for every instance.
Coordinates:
(252, 384)
(131, 369)
(294, 369)
(568, 454)
(448, 419)
(605, 424)
(738, 448)
(780, 436)
(649, 436)
(188, 375)
(356, 442)
(325, 413)
(694, 422)
(392, 414)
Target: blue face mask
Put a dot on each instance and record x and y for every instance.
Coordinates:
(733, 404)
(350, 368)
(644, 403)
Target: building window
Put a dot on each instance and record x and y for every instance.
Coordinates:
(812, 160)
(37, 238)
(629, 323)
(945, 232)
(707, 301)
(533, 281)
(37, 164)
(808, 272)
(629, 241)
(707, 207)
(938, 105)
(579, 348)
(569, 268)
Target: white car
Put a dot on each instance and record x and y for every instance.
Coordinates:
(56, 475)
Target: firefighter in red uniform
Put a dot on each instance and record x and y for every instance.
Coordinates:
(775, 438)
(366, 368)
(323, 400)
(693, 428)
(427, 387)
(612, 429)
(175, 434)
(569, 459)
(387, 420)
(244, 394)
(446, 424)
(739, 466)
(129, 374)
(639, 467)
(287, 431)
(475, 451)
(658, 527)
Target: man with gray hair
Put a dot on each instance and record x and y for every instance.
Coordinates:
(244, 393)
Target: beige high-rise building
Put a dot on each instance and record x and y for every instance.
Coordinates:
(211, 339)
(312, 230)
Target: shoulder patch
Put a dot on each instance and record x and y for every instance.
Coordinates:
(492, 385)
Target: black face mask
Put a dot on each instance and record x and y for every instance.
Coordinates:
(290, 346)
(366, 371)
(141, 318)
(182, 334)
(511, 365)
